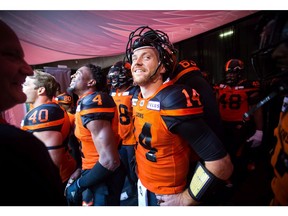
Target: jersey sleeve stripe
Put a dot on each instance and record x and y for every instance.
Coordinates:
(43, 125)
(181, 112)
(97, 110)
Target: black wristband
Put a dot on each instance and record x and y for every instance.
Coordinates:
(204, 184)
(96, 175)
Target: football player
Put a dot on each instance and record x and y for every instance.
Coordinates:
(122, 90)
(168, 127)
(48, 121)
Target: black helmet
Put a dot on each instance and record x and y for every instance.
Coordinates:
(185, 65)
(119, 74)
(146, 36)
(233, 71)
(64, 98)
(273, 30)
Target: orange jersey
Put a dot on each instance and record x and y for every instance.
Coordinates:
(72, 119)
(93, 106)
(52, 117)
(280, 181)
(154, 118)
(123, 101)
(234, 101)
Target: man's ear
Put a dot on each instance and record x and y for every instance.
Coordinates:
(162, 69)
(92, 82)
(41, 90)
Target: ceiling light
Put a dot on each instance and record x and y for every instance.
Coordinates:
(225, 34)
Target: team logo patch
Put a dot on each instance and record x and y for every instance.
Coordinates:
(153, 105)
(134, 101)
(142, 103)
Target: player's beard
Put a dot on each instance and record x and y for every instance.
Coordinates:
(145, 79)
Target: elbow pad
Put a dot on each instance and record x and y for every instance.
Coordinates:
(204, 185)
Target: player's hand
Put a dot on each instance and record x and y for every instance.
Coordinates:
(256, 139)
(74, 193)
(75, 175)
(180, 199)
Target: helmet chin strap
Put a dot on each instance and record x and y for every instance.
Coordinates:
(151, 77)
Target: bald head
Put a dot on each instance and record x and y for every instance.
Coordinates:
(13, 68)
(6, 32)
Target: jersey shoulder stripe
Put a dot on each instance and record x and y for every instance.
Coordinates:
(174, 103)
(178, 100)
(96, 100)
(96, 106)
(48, 116)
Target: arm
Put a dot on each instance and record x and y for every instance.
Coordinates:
(258, 114)
(184, 198)
(213, 153)
(52, 139)
(103, 137)
(215, 159)
(256, 139)
(48, 128)
(258, 118)
(109, 160)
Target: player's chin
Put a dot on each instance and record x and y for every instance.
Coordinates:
(70, 89)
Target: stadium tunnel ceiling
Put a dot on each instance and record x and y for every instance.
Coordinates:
(49, 36)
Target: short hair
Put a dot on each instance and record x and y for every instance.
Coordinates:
(98, 75)
(46, 80)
